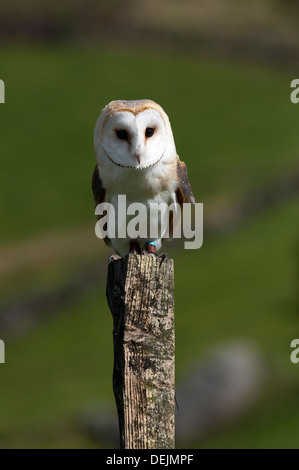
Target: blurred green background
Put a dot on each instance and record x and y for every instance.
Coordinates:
(222, 73)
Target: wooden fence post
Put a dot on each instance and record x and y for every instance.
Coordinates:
(140, 293)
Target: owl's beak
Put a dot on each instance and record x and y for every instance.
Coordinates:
(137, 156)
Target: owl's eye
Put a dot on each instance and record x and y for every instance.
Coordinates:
(122, 135)
(149, 132)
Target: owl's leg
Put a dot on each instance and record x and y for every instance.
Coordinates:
(150, 249)
(134, 247)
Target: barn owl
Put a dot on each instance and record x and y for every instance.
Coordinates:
(136, 157)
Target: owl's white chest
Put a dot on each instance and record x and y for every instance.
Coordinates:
(152, 185)
(156, 183)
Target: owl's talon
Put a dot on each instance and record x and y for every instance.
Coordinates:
(147, 253)
(114, 257)
(134, 252)
(150, 248)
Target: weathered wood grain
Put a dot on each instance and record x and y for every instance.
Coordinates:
(140, 293)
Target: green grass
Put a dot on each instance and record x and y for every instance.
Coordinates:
(273, 425)
(245, 285)
(234, 126)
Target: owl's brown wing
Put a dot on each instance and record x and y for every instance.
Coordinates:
(184, 191)
(98, 194)
(97, 187)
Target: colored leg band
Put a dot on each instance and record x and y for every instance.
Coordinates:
(150, 243)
